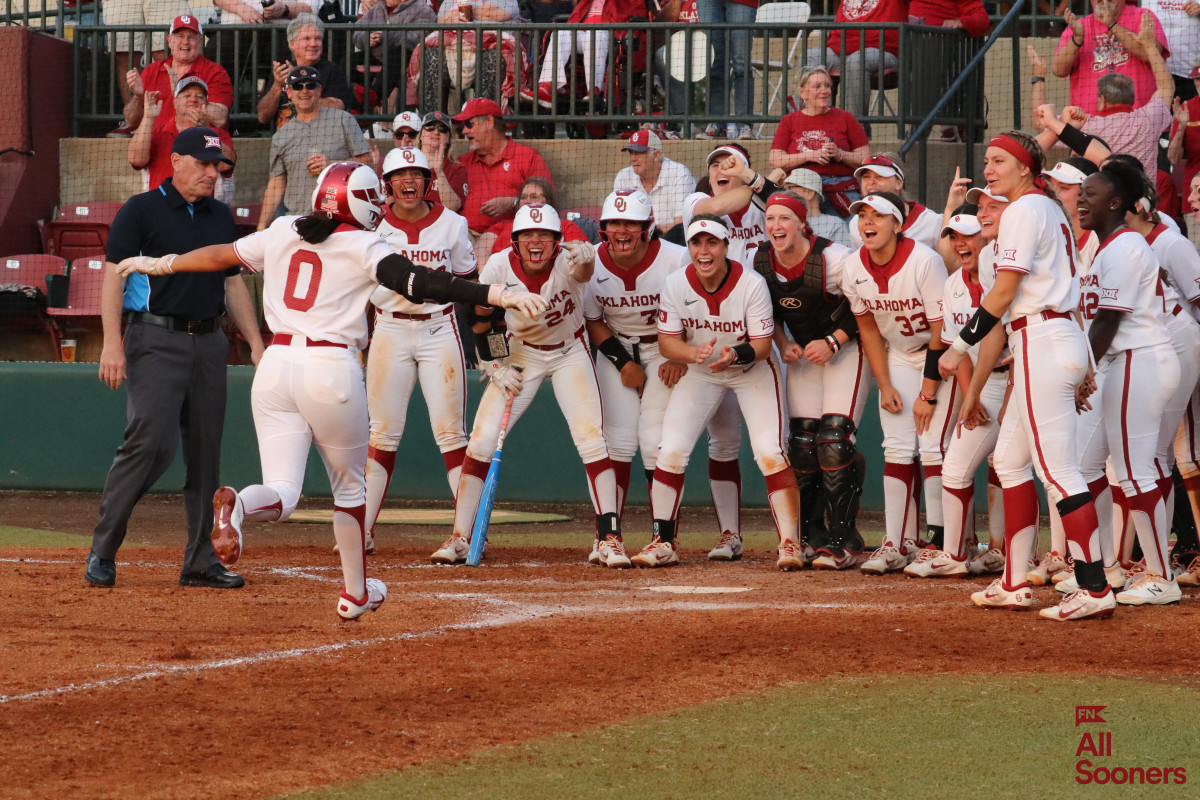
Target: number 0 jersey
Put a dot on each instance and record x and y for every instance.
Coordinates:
(319, 291)
(904, 295)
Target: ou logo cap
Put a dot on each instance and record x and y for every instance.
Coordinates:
(535, 214)
(619, 203)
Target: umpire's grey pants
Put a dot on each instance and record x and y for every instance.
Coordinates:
(175, 389)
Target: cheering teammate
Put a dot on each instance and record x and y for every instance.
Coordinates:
(318, 272)
(1036, 285)
(883, 173)
(827, 378)
(738, 195)
(550, 346)
(895, 286)
(716, 317)
(621, 308)
(416, 341)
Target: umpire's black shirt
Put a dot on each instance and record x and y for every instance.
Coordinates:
(161, 222)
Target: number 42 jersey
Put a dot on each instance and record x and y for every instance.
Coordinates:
(319, 291)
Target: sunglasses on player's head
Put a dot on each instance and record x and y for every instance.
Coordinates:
(306, 86)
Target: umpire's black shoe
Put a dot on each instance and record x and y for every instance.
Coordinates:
(101, 571)
(215, 577)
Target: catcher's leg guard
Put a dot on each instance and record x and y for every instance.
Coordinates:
(840, 467)
(802, 452)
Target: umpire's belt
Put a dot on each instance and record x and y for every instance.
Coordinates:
(195, 327)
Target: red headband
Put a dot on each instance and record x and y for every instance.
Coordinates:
(1012, 147)
(792, 203)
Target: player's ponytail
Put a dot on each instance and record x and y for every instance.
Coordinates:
(315, 230)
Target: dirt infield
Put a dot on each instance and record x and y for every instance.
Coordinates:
(152, 690)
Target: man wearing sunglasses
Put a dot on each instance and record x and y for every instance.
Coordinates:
(496, 167)
(306, 144)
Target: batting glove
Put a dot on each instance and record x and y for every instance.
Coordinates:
(579, 253)
(504, 375)
(146, 264)
(529, 304)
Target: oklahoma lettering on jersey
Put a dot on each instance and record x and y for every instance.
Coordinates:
(1127, 274)
(740, 310)
(439, 240)
(747, 228)
(318, 291)
(627, 300)
(1036, 240)
(904, 295)
(562, 320)
(922, 224)
(960, 300)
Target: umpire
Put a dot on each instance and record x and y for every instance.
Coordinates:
(173, 355)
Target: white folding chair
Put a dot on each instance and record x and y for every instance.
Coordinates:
(782, 15)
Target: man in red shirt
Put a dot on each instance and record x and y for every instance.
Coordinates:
(186, 43)
(150, 148)
(496, 167)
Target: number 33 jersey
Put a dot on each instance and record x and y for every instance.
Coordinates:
(319, 291)
(562, 320)
(904, 295)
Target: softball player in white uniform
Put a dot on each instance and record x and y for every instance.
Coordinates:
(1036, 284)
(717, 317)
(551, 347)
(318, 273)
(735, 188)
(882, 173)
(621, 309)
(895, 287)
(416, 341)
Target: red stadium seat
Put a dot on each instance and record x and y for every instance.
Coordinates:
(245, 217)
(83, 298)
(23, 292)
(79, 230)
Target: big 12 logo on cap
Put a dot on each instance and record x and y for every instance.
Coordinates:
(212, 141)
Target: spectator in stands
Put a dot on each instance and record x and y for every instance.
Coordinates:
(314, 138)
(679, 97)
(131, 46)
(807, 184)
(1115, 38)
(858, 54)
(827, 140)
(436, 65)
(185, 43)
(591, 45)
(536, 190)
(236, 50)
(306, 37)
(399, 45)
(496, 167)
(733, 64)
(150, 148)
(1185, 135)
(968, 16)
(1122, 127)
(667, 182)
(1181, 25)
(449, 186)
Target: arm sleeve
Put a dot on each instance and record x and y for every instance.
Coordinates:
(857, 306)
(252, 250)
(462, 252)
(974, 18)
(220, 88)
(689, 209)
(933, 286)
(760, 316)
(423, 285)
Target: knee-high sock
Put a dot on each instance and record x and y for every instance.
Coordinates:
(664, 496)
(1083, 535)
(1167, 487)
(912, 518)
(258, 504)
(933, 495)
(1020, 531)
(1122, 526)
(995, 506)
(602, 483)
(1149, 515)
(958, 510)
(466, 500)
(349, 530)
(783, 496)
(622, 470)
(1192, 485)
(899, 482)
(380, 465)
(725, 483)
(453, 459)
(1101, 492)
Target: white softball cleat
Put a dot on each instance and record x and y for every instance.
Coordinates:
(351, 608)
(1190, 576)
(1050, 564)
(997, 595)
(886, 559)
(594, 556)
(227, 525)
(936, 564)
(1150, 589)
(657, 554)
(729, 547)
(453, 551)
(1080, 605)
(988, 562)
(833, 560)
(612, 553)
(791, 556)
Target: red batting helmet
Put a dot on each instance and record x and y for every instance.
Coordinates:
(349, 192)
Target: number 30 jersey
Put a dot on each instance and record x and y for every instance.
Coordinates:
(562, 320)
(904, 295)
(319, 291)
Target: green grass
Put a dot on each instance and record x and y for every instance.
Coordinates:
(885, 736)
(31, 537)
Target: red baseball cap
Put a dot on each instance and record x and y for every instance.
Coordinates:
(479, 107)
(881, 165)
(643, 140)
(185, 22)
